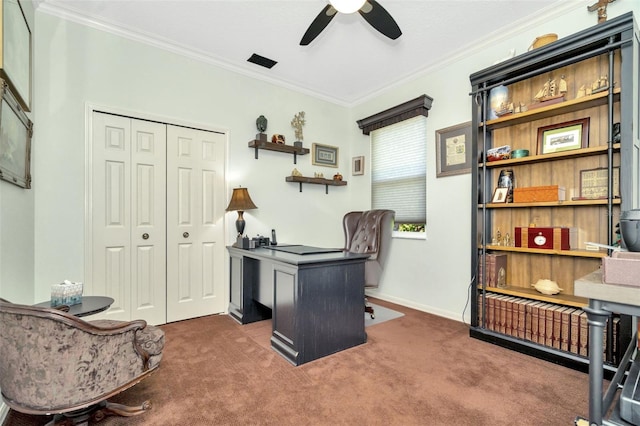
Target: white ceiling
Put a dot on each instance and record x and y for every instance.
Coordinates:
(347, 63)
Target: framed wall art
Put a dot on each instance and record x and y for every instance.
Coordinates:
(565, 136)
(357, 165)
(15, 51)
(324, 155)
(453, 150)
(15, 140)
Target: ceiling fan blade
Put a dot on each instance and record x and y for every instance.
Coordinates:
(380, 19)
(318, 24)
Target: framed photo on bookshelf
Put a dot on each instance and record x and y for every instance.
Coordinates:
(565, 136)
(500, 195)
(594, 183)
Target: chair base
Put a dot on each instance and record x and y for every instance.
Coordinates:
(98, 412)
(369, 309)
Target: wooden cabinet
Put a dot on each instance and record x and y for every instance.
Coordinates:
(600, 68)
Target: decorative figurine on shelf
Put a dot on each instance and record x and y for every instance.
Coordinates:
(601, 7)
(498, 238)
(337, 176)
(277, 138)
(295, 172)
(507, 240)
(261, 125)
(318, 175)
(297, 122)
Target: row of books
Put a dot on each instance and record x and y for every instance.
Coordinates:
(556, 326)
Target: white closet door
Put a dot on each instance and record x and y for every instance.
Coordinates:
(195, 231)
(128, 217)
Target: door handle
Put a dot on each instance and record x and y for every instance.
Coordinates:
(185, 234)
(145, 236)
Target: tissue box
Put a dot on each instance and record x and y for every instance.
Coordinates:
(66, 293)
(623, 267)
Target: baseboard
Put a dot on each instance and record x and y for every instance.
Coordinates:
(417, 306)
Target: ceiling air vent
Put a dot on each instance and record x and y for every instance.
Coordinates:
(262, 61)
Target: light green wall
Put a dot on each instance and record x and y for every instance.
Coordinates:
(16, 230)
(77, 66)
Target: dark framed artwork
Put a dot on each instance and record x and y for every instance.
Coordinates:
(453, 150)
(562, 137)
(15, 51)
(324, 155)
(15, 140)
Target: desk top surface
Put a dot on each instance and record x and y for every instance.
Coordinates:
(592, 287)
(298, 259)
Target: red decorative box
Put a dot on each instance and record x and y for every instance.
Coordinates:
(558, 238)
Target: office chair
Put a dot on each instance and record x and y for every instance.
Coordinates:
(369, 232)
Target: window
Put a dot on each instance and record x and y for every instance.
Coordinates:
(398, 172)
(399, 161)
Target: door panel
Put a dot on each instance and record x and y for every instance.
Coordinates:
(195, 238)
(128, 216)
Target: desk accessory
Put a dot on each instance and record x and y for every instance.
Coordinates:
(274, 242)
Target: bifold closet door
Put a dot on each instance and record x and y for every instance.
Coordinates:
(128, 209)
(195, 230)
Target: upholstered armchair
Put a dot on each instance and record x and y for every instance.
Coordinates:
(370, 232)
(54, 363)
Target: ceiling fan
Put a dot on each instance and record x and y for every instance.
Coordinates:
(370, 10)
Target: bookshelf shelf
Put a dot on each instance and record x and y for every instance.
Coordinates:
(549, 252)
(565, 300)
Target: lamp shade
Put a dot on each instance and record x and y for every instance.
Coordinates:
(240, 200)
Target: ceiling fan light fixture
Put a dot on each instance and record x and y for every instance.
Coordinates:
(347, 6)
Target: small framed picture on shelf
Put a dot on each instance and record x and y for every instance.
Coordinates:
(500, 195)
(324, 155)
(357, 165)
(594, 183)
(563, 136)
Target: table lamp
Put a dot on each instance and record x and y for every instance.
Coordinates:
(240, 201)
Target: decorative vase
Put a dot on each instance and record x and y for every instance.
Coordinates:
(507, 180)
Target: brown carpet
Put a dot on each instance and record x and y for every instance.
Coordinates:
(419, 369)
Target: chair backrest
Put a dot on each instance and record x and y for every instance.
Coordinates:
(51, 361)
(370, 232)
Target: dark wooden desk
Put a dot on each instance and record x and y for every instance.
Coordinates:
(90, 305)
(316, 301)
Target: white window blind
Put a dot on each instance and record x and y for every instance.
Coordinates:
(399, 169)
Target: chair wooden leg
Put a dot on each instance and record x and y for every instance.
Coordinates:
(113, 409)
(98, 412)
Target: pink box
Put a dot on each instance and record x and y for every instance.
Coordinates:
(623, 267)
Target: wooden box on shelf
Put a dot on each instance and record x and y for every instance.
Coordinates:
(534, 194)
(558, 238)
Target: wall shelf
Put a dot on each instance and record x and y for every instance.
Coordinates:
(270, 146)
(316, 181)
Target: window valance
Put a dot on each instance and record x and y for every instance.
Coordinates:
(418, 106)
